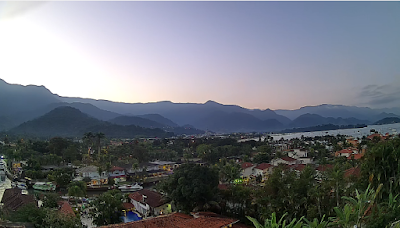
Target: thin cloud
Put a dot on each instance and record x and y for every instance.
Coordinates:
(380, 95)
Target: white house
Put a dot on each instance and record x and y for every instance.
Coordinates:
(149, 203)
(117, 172)
(263, 170)
(284, 160)
(93, 173)
(298, 153)
(247, 169)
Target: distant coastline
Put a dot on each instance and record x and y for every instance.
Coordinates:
(325, 127)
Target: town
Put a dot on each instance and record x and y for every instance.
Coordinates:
(234, 180)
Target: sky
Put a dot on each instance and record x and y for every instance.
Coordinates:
(277, 55)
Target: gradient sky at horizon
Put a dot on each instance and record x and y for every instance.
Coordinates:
(277, 55)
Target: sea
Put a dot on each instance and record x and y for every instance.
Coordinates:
(354, 132)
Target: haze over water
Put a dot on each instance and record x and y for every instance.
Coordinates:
(355, 132)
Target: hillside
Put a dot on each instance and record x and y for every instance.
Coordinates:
(388, 120)
(241, 122)
(310, 120)
(135, 120)
(19, 104)
(70, 122)
(160, 119)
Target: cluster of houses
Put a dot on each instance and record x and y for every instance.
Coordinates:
(297, 159)
(148, 170)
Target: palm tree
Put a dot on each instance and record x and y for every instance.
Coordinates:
(99, 136)
(88, 138)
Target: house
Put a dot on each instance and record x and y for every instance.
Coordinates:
(352, 141)
(355, 156)
(298, 153)
(117, 172)
(352, 172)
(247, 170)
(13, 199)
(92, 172)
(298, 167)
(346, 152)
(263, 170)
(65, 209)
(179, 220)
(284, 160)
(149, 203)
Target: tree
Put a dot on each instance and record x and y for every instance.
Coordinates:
(50, 200)
(55, 219)
(229, 172)
(99, 136)
(191, 186)
(77, 188)
(28, 213)
(107, 208)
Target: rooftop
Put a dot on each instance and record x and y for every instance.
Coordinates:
(263, 166)
(179, 220)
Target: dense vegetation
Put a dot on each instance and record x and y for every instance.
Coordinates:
(328, 197)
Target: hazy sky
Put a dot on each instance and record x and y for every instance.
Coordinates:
(278, 55)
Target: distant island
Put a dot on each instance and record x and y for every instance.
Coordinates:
(388, 120)
(325, 127)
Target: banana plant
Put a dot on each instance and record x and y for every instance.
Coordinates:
(273, 223)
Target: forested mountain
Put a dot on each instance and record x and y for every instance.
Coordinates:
(308, 120)
(135, 120)
(388, 120)
(70, 122)
(23, 103)
(160, 119)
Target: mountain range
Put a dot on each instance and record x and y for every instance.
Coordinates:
(20, 104)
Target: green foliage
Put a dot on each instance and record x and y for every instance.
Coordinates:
(28, 213)
(356, 210)
(274, 223)
(54, 219)
(77, 188)
(107, 208)
(50, 200)
(191, 186)
(229, 171)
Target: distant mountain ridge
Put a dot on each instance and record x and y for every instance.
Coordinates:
(23, 103)
(67, 121)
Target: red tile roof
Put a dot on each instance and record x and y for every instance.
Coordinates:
(223, 187)
(298, 167)
(246, 165)
(355, 156)
(263, 166)
(153, 199)
(354, 171)
(345, 151)
(289, 159)
(178, 220)
(65, 208)
(323, 168)
(127, 206)
(116, 168)
(373, 135)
